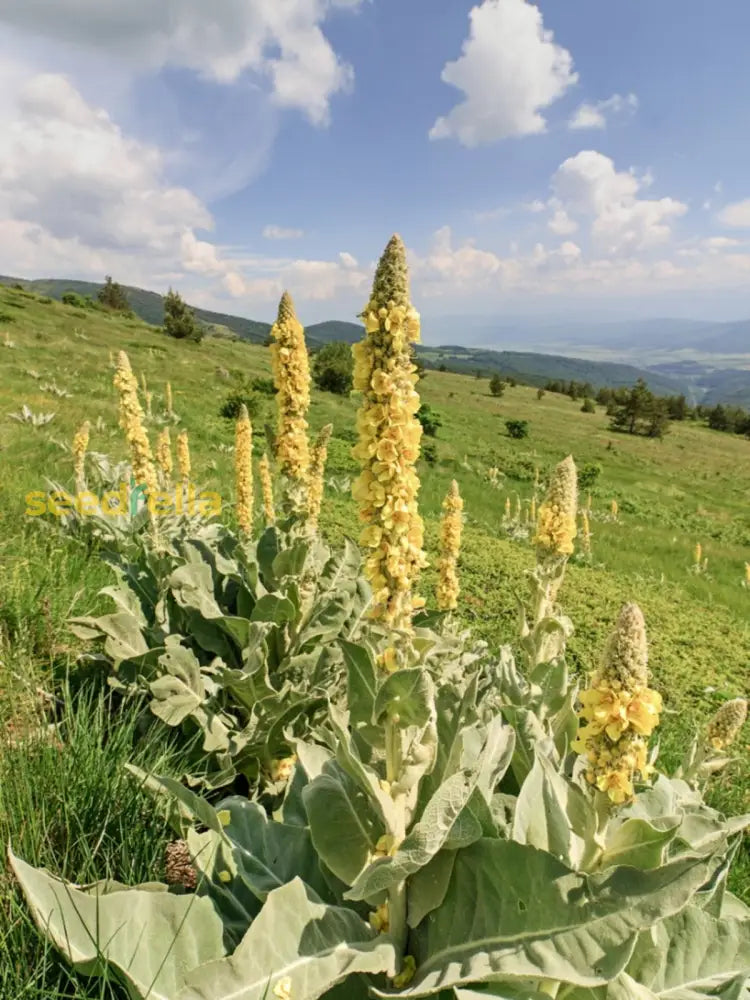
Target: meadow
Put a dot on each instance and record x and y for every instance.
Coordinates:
(56, 802)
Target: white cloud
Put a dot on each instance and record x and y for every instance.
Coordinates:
(561, 223)
(510, 70)
(736, 215)
(282, 233)
(714, 244)
(596, 115)
(280, 42)
(588, 185)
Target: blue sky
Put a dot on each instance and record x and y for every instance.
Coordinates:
(557, 159)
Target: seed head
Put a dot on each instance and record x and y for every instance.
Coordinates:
(556, 527)
(725, 726)
(625, 663)
(180, 869)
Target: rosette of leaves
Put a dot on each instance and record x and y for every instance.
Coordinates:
(477, 892)
(231, 638)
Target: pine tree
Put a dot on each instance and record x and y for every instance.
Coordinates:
(179, 319)
(112, 296)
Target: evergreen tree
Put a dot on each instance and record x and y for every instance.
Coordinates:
(112, 296)
(179, 319)
(497, 385)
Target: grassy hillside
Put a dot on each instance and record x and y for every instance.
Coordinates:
(691, 487)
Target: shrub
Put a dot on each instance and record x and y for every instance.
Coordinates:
(179, 319)
(429, 452)
(589, 406)
(540, 394)
(333, 368)
(517, 428)
(74, 299)
(112, 296)
(230, 408)
(497, 385)
(588, 475)
(263, 386)
(430, 420)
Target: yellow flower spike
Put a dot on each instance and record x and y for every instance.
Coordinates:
(168, 398)
(149, 397)
(131, 421)
(451, 527)
(556, 524)
(243, 471)
(389, 440)
(144, 384)
(507, 507)
(614, 509)
(726, 724)
(585, 533)
(619, 711)
(697, 555)
(291, 371)
(264, 471)
(183, 457)
(164, 457)
(318, 458)
(80, 445)
(747, 574)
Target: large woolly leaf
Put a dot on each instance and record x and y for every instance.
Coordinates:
(691, 954)
(512, 910)
(638, 843)
(148, 937)
(180, 690)
(407, 697)
(297, 944)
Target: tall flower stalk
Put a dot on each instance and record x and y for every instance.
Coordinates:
(389, 439)
(183, 457)
(619, 711)
(318, 456)
(291, 371)
(131, 421)
(243, 468)
(264, 472)
(451, 527)
(80, 446)
(164, 457)
(168, 399)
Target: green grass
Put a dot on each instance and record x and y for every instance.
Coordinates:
(691, 487)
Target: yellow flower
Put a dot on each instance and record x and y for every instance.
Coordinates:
(291, 370)
(164, 456)
(80, 444)
(264, 470)
(131, 421)
(725, 726)
(617, 784)
(614, 509)
(281, 770)
(317, 472)
(168, 398)
(450, 545)
(389, 438)
(697, 554)
(556, 526)
(183, 457)
(585, 533)
(283, 988)
(243, 469)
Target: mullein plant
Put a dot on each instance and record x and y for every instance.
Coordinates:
(131, 421)
(451, 527)
(291, 371)
(243, 468)
(316, 479)
(708, 753)
(183, 458)
(619, 712)
(266, 485)
(389, 440)
(80, 446)
(164, 458)
(168, 400)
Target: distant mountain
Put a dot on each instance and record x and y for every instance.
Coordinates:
(334, 329)
(536, 369)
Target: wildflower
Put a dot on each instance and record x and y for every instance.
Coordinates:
(585, 533)
(379, 919)
(317, 469)
(725, 726)
(556, 525)
(450, 545)
(131, 421)
(183, 457)
(283, 988)
(507, 507)
(389, 440)
(144, 384)
(164, 456)
(619, 711)
(168, 398)
(532, 510)
(149, 397)
(697, 555)
(281, 770)
(291, 369)
(243, 468)
(747, 574)
(80, 444)
(180, 869)
(614, 510)
(264, 470)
